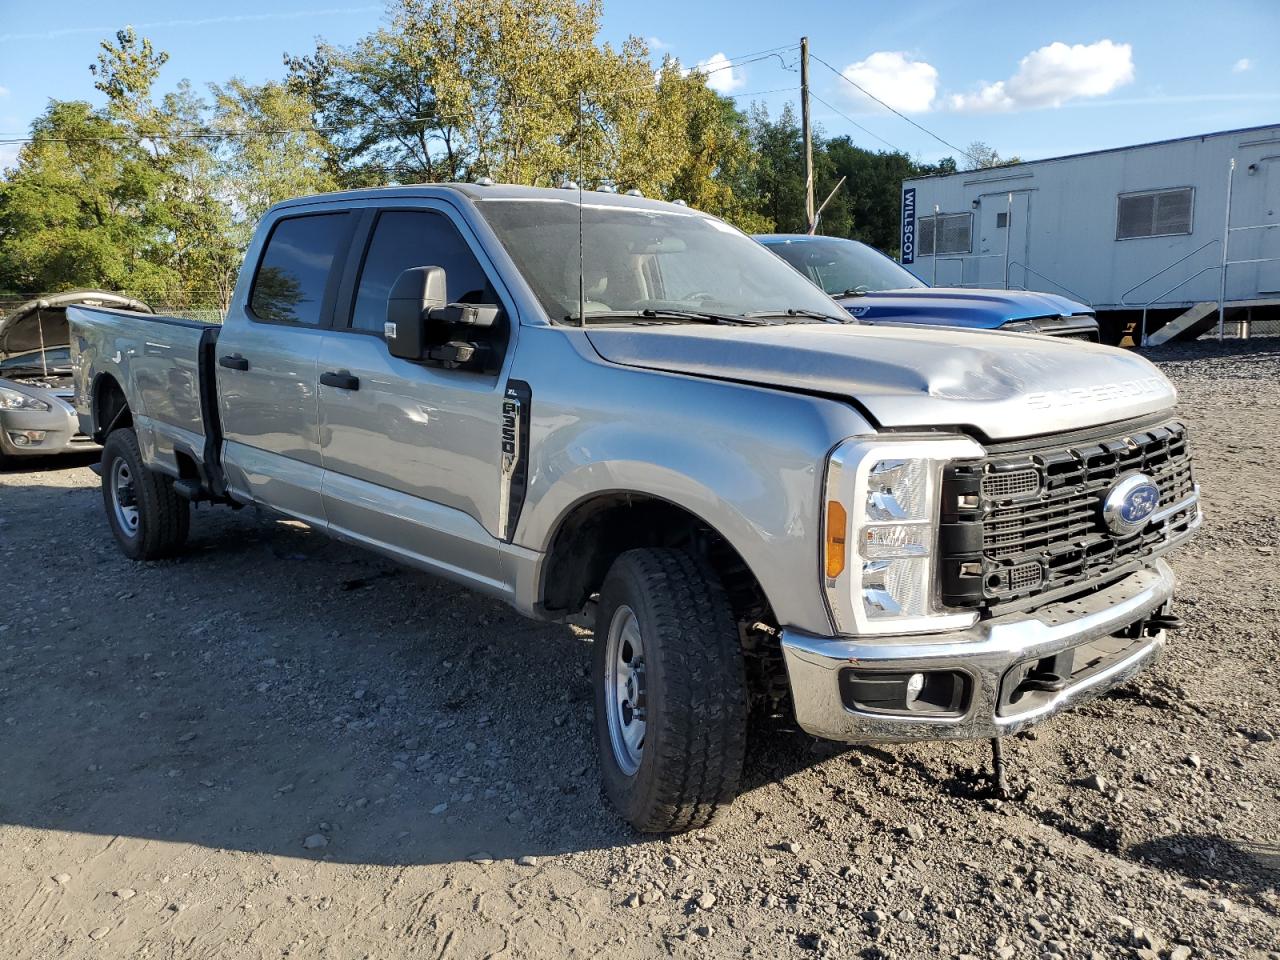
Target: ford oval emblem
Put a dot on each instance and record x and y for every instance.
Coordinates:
(1130, 503)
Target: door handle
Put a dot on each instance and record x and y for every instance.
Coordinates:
(234, 362)
(341, 379)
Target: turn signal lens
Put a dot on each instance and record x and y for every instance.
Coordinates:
(837, 525)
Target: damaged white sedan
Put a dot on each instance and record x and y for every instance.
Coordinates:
(36, 415)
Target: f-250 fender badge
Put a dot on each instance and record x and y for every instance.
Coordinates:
(514, 455)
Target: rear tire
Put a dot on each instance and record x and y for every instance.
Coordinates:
(667, 654)
(146, 515)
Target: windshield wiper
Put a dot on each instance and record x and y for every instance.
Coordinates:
(858, 291)
(662, 313)
(801, 312)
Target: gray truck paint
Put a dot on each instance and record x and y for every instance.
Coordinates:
(734, 424)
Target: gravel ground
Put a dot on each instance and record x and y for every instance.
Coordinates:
(278, 745)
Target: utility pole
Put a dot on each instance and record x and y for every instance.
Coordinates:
(810, 216)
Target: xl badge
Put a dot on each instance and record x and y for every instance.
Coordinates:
(1130, 503)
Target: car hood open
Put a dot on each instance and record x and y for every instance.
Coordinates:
(1002, 386)
(42, 323)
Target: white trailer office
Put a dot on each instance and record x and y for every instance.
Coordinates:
(1128, 230)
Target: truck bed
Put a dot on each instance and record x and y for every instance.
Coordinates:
(164, 367)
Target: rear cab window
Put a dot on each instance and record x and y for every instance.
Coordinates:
(295, 277)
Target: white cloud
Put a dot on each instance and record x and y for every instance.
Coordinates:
(903, 83)
(4, 91)
(656, 44)
(8, 155)
(722, 76)
(1241, 65)
(1054, 74)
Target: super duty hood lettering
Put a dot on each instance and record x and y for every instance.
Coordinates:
(1004, 385)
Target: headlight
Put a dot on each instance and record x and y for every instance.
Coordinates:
(880, 535)
(1019, 326)
(13, 400)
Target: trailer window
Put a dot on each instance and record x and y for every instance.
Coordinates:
(1153, 213)
(954, 234)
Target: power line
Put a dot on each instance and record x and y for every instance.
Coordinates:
(868, 93)
(855, 122)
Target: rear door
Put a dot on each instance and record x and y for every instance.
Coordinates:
(411, 450)
(267, 358)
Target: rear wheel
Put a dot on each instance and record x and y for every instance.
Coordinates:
(146, 515)
(670, 692)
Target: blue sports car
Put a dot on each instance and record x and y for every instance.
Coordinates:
(876, 289)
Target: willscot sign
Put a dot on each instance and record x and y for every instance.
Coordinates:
(909, 225)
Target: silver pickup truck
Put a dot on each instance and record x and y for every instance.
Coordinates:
(581, 401)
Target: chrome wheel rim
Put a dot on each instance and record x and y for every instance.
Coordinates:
(123, 499)
(625, 689)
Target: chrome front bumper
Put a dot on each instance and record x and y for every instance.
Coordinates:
(985, 653)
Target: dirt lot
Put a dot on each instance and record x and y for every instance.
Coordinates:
(280, 746)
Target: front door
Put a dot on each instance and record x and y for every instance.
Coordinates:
(266, 365)
(411, 450)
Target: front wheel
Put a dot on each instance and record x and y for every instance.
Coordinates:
(670, 692)
(146, 515)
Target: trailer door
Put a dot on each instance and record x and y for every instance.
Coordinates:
(1003, 220)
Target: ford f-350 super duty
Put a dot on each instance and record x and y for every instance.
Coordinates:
(581, 401)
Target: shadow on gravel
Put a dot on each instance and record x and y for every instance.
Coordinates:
(274, 691)
(1254, 866)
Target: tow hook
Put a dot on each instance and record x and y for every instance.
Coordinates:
(1163, 621)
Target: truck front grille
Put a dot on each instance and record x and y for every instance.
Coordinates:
(1016, 525)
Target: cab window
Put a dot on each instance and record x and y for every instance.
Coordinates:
(296, 268)
(403, 239)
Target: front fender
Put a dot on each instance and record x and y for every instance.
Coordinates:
(746, 460)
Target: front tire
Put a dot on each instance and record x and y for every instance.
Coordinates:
(670, 692)
(146, 515)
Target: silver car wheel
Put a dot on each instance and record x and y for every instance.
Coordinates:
(625, 689)
(123, 498)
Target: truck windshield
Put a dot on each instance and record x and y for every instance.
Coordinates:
(843, 268)
(646, 263)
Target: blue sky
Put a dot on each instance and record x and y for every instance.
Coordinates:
(1031, 79)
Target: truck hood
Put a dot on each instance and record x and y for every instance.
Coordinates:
(960, 307)
(1003, 386)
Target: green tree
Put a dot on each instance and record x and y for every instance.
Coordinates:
(712, 165)
(871, 195)
(76, 210)
(777, 187)
(521, 91)
(126, 196)
(271, 151)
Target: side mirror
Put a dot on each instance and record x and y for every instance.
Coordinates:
(416, 292)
